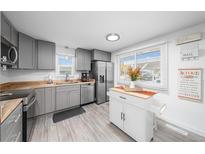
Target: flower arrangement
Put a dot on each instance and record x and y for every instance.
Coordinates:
(134, 73)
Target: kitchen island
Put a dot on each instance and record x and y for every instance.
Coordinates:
(133, 112)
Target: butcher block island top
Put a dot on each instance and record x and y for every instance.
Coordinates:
(40, 84)
(141, 94)
(7, 107)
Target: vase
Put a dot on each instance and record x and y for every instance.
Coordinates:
(132, 84)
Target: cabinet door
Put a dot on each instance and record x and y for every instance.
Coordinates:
(5, 28)
(46, 55)
(27, 52)
(115, 111)
(83, 59)
(49, 100)
(40, 104)
(108, 56)
(87, 60)
(62, 101)
(79, 59)
(97, 55)
(101, 55)
(74, 97)
(137, 123)
(14, 37)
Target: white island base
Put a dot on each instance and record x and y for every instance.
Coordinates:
(132, 114)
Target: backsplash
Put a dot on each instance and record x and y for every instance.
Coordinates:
(29, 75)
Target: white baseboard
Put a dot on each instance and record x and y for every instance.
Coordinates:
(183, 126)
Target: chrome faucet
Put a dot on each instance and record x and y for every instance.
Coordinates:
(67, 77)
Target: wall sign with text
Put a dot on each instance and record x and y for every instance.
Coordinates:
(190, 84)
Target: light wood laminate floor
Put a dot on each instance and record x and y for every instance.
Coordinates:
(94, 126)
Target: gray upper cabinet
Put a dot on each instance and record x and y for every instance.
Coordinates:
(46, 55)
(67, 96)
(5, 28)
(101, 55)
(83, 59)
(14, 37)
(27, 52)
(8, 32)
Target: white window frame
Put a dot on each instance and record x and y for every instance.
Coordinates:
(123, 56)
(162, 46)
(57, 69)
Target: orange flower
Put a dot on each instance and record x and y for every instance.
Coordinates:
(134, 73)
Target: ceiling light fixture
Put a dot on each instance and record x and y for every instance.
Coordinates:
(112, 37)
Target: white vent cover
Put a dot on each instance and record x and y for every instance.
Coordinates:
(189, 51)
(189, 38)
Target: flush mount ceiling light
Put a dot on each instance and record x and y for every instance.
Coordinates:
(112, 37)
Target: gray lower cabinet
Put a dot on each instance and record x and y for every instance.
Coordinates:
(45, 101)
(101, 55)
(74, 98)
(46, 55)
(87, 93)
(40, 104)
(11, 128)
(27, 52)
(67, 96)
(50, 94)
(63, 97)
(83, 59)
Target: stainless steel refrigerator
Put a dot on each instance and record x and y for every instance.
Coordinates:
(103, 72)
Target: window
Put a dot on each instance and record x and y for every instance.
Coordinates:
(150, 66)
(153, 64)
(65, 63)
(125, 63)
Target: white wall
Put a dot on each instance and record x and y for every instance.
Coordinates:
(28, 75)
(186, 114)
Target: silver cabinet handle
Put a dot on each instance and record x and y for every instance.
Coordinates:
(12, 120)
(123, 117)
(17, 138)
(122, 97)
(16, 120)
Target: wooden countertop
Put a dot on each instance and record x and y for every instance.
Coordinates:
(39, 84)
(7, 107)
(142, 94)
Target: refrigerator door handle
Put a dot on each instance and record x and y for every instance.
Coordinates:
(102, 79)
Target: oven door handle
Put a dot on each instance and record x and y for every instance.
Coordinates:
(29, 105)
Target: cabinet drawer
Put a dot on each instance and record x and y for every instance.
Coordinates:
(87, 85)
(11, 122)
(118, 95)
(68, 88)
